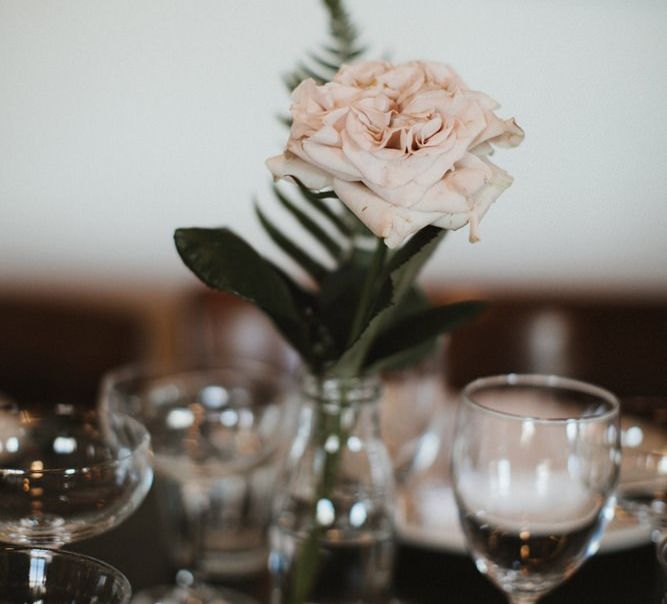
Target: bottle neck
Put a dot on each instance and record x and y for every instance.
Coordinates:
(341, 407)
(332, 392)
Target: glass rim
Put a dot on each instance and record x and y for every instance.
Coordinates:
(156, 370)
(142, 445)
(69, 555)
(543, 381)
(329, 389)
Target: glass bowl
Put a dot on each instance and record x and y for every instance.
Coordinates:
(67, 474)
(53, 577)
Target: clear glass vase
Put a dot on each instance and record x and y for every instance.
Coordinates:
(332, 536)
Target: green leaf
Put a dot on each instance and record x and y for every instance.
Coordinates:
(413, 302)
(302, 258)
(403, 269)
(285, 120)
(324, 63)
(345, 54)
(310, 225)
(419, 328)
(309, 73)
(292, 80)
(414, 245)
(224, 261)
(315, 199)
(340, 293)
(405, 358)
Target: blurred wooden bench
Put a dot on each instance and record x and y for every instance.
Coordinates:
(621, 345)
(618, 344)
(55, 350)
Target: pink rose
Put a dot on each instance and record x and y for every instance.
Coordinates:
(402, 146)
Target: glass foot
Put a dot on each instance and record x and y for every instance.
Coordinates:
(196, 594)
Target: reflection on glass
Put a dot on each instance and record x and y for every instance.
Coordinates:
(218, 434)
(642, 489)
(42, 576)
(67, 474)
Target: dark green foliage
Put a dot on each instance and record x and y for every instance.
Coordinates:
(363, 311)
(224, 261)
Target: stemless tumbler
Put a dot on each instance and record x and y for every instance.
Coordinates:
(535, 463)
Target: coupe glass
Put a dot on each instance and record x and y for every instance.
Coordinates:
(534, 464)
(218, 433)
(67, 474)
(43, 576)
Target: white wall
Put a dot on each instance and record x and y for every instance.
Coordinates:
(123, 119)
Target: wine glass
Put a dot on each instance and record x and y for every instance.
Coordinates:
(53, 576)
(218, 433)
(68, 474)
(642, 487)
(534, 464)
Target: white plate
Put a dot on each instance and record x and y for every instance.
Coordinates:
(433, 522)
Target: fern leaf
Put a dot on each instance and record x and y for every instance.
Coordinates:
(303, 259)
(332, 67)
(309, 73)
(310, 225)
(315, 199)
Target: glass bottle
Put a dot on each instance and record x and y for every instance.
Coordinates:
(332, 537)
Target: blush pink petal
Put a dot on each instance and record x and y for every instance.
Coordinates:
(361, 74)
(391, 223)
(283, 166)
(480, 200)
(404, 146)
(443, 198)
(331, 159)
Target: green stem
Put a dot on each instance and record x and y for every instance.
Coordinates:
(370, 286)
(307, 562)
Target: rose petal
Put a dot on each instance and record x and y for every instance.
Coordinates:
(480, 201)
(392, 223)
(443, 198)
(405, 145)
(361, 74)
(286, 166)
(330, 158)
(503, 133)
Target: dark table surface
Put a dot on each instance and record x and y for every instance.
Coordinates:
(421, 576)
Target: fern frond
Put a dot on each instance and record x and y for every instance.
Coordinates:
(285, 243)
(318, 233)
(342, 30)
(348, 55)
(331, 67)
(315, 200)
(342, 47)
(307, 72)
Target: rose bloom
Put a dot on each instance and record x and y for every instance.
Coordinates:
(402, 146)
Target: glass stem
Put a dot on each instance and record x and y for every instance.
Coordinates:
(185, 578)
(523, 598)
(660, 537)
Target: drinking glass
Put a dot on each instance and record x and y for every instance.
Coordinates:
(535, 462)
(642, 487)
(68, 474)
(45, 576)
(411, 399)
(218, 433)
